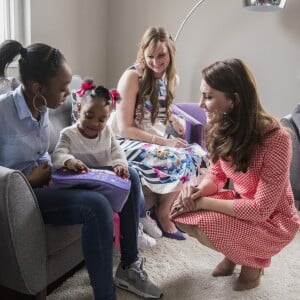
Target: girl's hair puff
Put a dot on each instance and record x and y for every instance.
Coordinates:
(90, 91)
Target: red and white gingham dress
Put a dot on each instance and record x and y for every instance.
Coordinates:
(265, 219)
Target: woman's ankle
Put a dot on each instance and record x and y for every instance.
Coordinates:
(224, 268)
(249, 278)
(165, 222)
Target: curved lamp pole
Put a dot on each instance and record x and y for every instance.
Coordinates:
(256, 5)
(186, 18)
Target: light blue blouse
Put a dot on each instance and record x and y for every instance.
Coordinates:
(24, 141)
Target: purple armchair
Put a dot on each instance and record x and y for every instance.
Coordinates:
(195, 121)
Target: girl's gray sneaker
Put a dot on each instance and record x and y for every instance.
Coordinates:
(134, 279)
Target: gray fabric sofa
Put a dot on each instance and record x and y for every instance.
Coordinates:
(32, 254)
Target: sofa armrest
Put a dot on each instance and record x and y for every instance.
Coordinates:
(288, 122)
(23, 250)
(195, 121)
(59, 118)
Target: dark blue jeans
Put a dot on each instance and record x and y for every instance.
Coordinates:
(93, 210)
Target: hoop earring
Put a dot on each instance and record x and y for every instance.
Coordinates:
(34, 99)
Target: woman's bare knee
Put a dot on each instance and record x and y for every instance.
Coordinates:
(204, 240)
(195, 232)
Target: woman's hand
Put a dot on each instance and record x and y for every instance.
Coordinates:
(121, 171)
(76, 165)
(186, 201)
(176, 143)
(178, 124)
(40, 175)
(189, 196)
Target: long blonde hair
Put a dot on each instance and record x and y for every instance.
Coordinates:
(148, 83)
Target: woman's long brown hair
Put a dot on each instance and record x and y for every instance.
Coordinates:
(235, 136)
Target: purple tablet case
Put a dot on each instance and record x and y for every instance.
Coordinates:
(113, 187)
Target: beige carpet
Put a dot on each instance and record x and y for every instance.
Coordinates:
(183, 270)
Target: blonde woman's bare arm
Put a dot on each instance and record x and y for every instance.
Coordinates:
(128, 89)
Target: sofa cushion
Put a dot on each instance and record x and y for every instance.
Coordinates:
(59, 118)
(8, 84)
(60, 237)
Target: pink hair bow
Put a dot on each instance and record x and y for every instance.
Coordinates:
(115, 96)
(85, 86)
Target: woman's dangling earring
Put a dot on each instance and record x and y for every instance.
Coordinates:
(34, 104)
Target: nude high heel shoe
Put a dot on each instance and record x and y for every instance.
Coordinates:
(224, 268)
(249, 278)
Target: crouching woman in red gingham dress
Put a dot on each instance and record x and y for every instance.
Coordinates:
(257, 219)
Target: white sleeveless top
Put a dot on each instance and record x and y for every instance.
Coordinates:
(158, 128)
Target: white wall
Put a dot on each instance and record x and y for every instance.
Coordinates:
(78, 28)
(100, 39)
(268, 42)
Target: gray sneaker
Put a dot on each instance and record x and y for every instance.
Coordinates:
(134, 279)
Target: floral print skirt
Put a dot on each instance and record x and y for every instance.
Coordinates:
(164, 169)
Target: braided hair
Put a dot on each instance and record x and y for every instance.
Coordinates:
(38, 62)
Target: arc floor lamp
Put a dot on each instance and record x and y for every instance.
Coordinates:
(255, 5)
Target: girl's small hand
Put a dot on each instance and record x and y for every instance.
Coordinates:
(121, 171)
(76, 165)
(176, 143)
